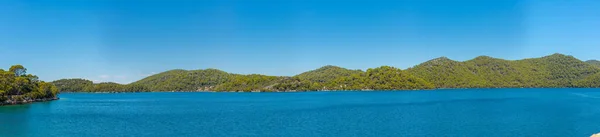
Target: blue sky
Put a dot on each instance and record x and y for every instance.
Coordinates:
(125, 40)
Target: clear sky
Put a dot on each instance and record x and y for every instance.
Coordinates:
(125, 40)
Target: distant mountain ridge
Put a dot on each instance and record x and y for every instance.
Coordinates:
(593, 62)
(557, 70)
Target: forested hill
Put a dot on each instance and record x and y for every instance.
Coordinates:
(593, 62)
(326, 74)
(486, 72)
(555, 70)
(184, 80)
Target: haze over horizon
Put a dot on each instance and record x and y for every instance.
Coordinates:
(124, 41)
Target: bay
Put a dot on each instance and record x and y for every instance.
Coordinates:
(457, 112)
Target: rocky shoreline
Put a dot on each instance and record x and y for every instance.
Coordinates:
(25, 101)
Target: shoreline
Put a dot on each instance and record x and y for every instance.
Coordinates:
(399, 90)
(27, 101)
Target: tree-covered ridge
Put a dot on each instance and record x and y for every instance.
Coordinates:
(593, 62)
(116, 87)
(73, 85)
(565, 70)
(382, 78)
(173, 80)
(556, 70)
(82, 85)
(16, 86)
(326, 74)
(253, 82)
(184, 80)
(485, 72)
(323, 78)
(592, 81)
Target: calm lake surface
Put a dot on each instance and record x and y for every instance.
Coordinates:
(472, 112)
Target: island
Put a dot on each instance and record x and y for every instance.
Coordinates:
(552, 71)
(18, 87)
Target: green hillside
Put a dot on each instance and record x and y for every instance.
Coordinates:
(253, 82)
(593, 62)
(382, 78)
(326, 74)
(184, 80)
(71, 85)
(592, 81)
(555, 70)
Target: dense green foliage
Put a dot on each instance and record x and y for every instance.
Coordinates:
(116, 87)
(296, 84)
(252, 82)
(183, 80)
(589, 82)
(485, 72)
(326, 74)
(72, 85)
(323, 78)
(382, 78)
(17, 85)
(593, 63)
(82, 85)
(482, 72)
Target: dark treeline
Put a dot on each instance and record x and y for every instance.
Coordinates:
(16, 86)
(482, 72)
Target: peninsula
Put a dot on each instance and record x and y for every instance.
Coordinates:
(18, 87)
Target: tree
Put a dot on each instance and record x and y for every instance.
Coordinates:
(6, 81)
(19, 70)
(20, 86)
(47, 89)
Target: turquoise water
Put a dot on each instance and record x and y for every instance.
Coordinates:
(473, 112)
